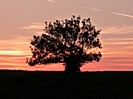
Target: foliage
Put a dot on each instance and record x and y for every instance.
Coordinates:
(66, 41)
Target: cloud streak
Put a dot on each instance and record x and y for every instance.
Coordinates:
(115, 13)
(51, 1)
(95, 9)
(118, 29)
(34, 26)
(122, 14)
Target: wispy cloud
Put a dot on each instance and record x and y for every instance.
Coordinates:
(123, 14)
(120, 39)
(13, 52)
(51, 1)
(115, 13)
(34, 26)
(95, 9)
(118, 29)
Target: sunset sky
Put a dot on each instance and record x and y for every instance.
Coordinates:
(21, 19)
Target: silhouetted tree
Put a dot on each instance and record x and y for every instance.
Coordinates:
(68, 42)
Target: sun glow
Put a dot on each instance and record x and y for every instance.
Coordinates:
(13, 52)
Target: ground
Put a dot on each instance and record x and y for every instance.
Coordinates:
(62, 85)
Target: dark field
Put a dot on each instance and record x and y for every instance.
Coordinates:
(61, 85)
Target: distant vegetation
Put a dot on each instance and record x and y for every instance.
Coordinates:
(66, 41)
(61, 85)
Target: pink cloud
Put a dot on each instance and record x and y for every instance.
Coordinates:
(123, 14)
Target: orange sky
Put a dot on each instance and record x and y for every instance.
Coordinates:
(21, 19)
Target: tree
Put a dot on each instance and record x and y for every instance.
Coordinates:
(66, 41)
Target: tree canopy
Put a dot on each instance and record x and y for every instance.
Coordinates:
(66, 41)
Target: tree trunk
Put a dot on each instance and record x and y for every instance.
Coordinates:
(71, 68)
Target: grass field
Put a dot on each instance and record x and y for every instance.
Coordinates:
(61, 85)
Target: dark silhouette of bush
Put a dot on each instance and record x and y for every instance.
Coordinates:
(66, 41)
